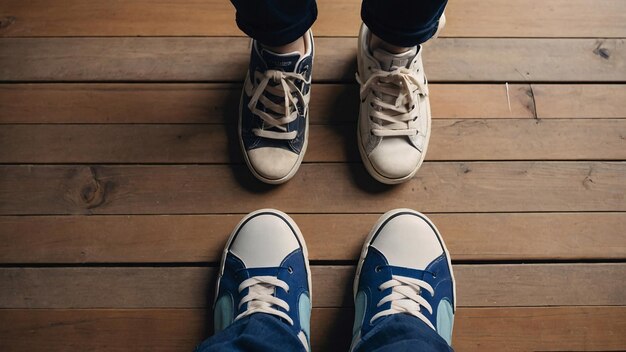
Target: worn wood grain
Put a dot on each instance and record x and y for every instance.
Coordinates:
(196, 59)
(580, 101)
(516, 285)
(218, 103)
(466, 18)
(200, 238)
(573, 329)
(476, 329)
(343, 188)
(467, 139)
(134, 82)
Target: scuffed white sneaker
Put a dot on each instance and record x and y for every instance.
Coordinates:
(394, 117)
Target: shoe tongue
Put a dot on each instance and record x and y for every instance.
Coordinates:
(284, 62)
(389, 61)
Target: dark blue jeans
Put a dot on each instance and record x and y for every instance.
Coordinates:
(399, 22)
(265, 333)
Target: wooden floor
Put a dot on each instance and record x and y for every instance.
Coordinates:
(121, 177)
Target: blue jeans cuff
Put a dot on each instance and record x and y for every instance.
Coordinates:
(399, 37)
(285, 35)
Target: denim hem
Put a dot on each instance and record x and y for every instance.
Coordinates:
(395, 36)
(402, 332)
(284, 35)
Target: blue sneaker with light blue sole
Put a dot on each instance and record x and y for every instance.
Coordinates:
(265, 270)
(404, 269)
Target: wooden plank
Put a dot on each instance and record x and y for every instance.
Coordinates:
(103, 330)
(132, 103)
(535, 18)
(476, 329)
(200, 238)
(218, 103)
(544, 329)
(477, 286)
(590, 139)
(196, 59)
(194, 189)
(515, 60)
(580, 101)
(502, 139)
(467, 18)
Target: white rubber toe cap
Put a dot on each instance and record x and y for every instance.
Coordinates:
(407, 240)
(264, 240)
(273, 163)
(395, 158)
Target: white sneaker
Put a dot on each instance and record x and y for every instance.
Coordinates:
(394, 118)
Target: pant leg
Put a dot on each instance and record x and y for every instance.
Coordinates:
(403, 22)
(402, 333)
(275, 22)
(255, 333)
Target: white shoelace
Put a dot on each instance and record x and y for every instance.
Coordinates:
(277, 115)
(260, 297)
(395, 101)
(405, 298)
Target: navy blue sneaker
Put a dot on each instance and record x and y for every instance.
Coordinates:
(265, 270)
(274, 111)
(404, 269)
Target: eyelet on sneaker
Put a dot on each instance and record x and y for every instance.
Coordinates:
(290, 270)
(377, 269)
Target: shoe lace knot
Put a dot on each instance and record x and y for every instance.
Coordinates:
(261, 299)
(396, 101)
(405, 297)
(277, 114)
